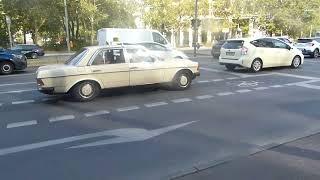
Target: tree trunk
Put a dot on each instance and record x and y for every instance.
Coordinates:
(77, 29)
(24, 37)
(35, 35)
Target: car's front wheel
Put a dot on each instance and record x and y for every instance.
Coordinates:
(256, 65)
(85, 91)
(182, 81)
(34, 56)
(315, 53)
(6, 68)
(296, 62)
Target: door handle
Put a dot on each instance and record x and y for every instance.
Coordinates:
(134, 68)
(96, 70)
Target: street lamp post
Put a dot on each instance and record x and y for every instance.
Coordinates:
(195, 26)
(67, 24)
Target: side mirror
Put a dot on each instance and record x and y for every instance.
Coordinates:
(289, 48)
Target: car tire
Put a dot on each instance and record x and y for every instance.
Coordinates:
(6, 68)
(34, 56)
(230, 67)
(256, 65)
(315, 53)
(181, 81)
(296, 62)
(85, 91)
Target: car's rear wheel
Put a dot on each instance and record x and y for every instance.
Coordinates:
(315, 53)
(256, 65)
(296, 62)
(230, 67)
(85, 91)
(34, 56)
(181, 81)
(6, 68)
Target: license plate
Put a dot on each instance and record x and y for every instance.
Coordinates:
(230, 53)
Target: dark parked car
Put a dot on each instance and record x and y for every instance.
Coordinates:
(30, 50)
(215, 51)
(11, 61)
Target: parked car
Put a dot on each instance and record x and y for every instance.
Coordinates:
(308, 46)
(163, 51)
(215, 51)
(317, 39)
(100, 67)
(259, 53)
(11, 61)
(29, 50)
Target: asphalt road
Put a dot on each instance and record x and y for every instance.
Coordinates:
(145, 133)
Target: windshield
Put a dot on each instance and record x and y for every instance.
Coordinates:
(76, 58)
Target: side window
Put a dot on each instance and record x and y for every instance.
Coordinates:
(139, 56)
(259, 43)
(279, 44)
(268, 43)
(158, 38)
(110, 56)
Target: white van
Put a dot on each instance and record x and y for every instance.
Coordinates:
(130, 36)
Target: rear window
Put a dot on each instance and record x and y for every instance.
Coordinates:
(233, 45)
(304, 40)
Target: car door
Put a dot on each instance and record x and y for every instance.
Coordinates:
(267, 52)
(283, 53)
(109, 66)
(144, 68)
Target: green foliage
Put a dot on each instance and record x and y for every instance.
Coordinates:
(45, 18)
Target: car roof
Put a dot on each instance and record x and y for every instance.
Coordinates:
(114, 47)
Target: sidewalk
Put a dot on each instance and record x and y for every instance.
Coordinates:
(298, 160)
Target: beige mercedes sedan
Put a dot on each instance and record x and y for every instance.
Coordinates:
(101, 67)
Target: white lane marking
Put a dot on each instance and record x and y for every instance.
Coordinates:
(277, 86)
(130, 108)
(232, 78)
(21, 124)
(97, 113)
(244, 90)
(13, 84)
(182, 100)
(309, 86)
(121, 136)
(15, 75)
(18, 91)
(23, 102)
(204, 81)
(222, 71)
(204, 97)
(155, 104)
(303, 82)
(297, 76)
(261, 88)
(61, 118)
(217, 80)
(225, 94)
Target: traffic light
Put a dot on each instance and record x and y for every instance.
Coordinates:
(195, 22)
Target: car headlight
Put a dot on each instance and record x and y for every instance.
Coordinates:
(19, 56)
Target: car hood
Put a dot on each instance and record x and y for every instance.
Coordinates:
(56, 71)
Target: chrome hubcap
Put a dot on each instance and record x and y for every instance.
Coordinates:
(296, 62)
(184, 80)
(316, 54)
(6, 68)
(257, 65)
(87, 90)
